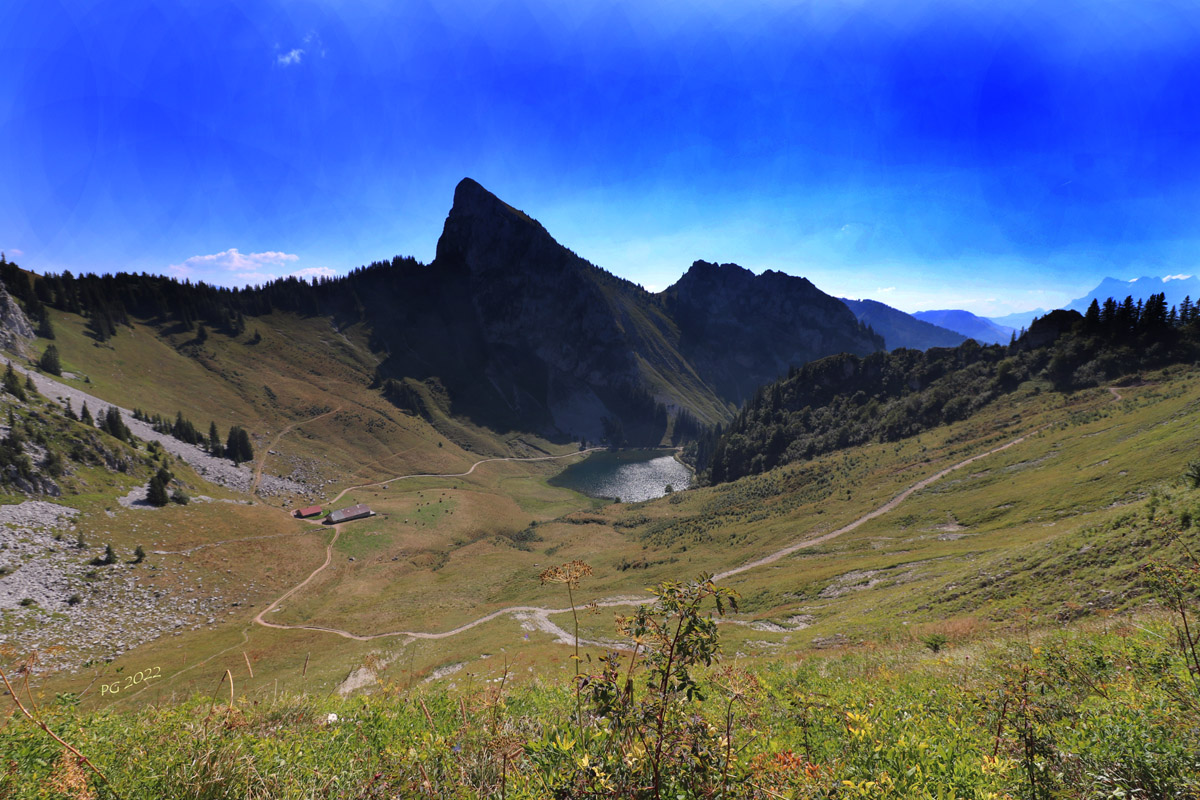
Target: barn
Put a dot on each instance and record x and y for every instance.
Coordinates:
(304, 513)
(346, 514)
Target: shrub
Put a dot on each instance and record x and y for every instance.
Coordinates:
(935, 641)
(109, 557)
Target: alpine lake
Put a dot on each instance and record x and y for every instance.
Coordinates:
(626, 475)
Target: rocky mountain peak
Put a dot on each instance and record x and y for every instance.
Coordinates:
(482, 230)
(741, 330)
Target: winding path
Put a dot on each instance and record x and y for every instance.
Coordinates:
(343, 492)
(540, 616)
(262, 456)
(883, 509)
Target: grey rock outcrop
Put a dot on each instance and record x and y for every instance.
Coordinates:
(15, 329)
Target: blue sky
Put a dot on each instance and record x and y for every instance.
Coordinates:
(926, 154)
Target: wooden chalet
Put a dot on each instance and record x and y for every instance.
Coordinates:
(304, 513)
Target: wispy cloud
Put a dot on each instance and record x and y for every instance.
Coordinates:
(292, 56)
(1168, 277)
(313, 46)
(17, 252)
(308, 273)
(885, 289)
(231, 267)
(314, 43)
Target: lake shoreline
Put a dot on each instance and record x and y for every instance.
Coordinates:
(628, 475)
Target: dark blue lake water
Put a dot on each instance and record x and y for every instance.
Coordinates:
(630, 475)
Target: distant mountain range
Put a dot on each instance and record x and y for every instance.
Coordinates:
(981, 329)
(1176, 288)
(899, 329)
(1021, 319)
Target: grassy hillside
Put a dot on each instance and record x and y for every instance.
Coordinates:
(302, 380)
(1045, 527)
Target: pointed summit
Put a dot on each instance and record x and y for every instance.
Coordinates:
(480, 223)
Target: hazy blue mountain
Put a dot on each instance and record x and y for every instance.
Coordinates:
(899, 329)
(1139, 289)
(1019, 320)
(980, 329)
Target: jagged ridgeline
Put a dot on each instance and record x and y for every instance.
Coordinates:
(512, 330)
(845, 400)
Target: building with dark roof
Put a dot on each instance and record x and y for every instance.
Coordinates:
(346, 514)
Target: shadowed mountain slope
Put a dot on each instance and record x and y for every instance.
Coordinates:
(532, 336)
(738, 328)
(980, 329)
(899, 329)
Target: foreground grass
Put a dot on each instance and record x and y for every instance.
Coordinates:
(1110, 709)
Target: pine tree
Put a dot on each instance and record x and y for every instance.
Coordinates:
(109, 558)
(215, 447)
(238, 446)
(49, 362)
(12, 384)
(85, 416)
(112, 424)
(45, 329)
(139, 554)
(156, 491)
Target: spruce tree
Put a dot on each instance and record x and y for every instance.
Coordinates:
(156, 491)
(238, 447)
(12, 384)
(214, 441)
(112, 424)
(49, 362)
(110, 557)
(85, 416)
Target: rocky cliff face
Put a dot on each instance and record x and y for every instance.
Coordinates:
(741, 330)
(15, 329)
(550, 344)
(525, 334)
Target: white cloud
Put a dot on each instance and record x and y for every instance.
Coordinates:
(231, 267)
(313, 41)
(17, 252)
(885, 290)
(1165, 279)
(233, 260)
(308, 273)
(290, 57)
